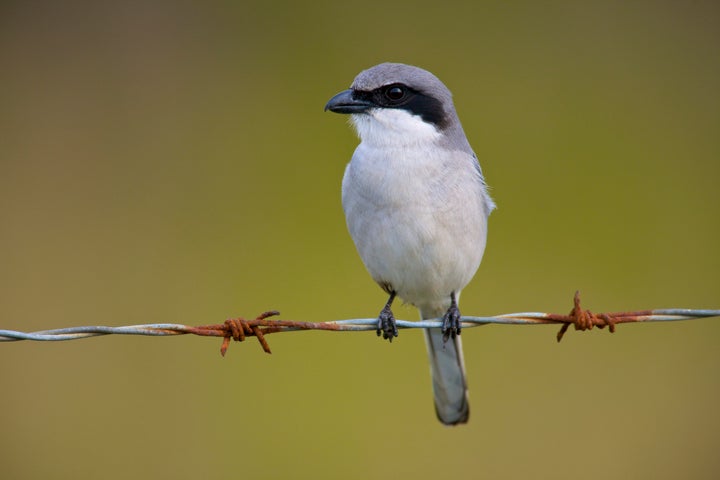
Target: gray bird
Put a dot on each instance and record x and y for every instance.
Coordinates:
(416, 205)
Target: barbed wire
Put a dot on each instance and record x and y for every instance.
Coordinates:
(239, 329)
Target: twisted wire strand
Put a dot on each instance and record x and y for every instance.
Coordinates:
(239, 328)
(354, 324)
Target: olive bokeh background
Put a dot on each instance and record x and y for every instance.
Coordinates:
(171, 162)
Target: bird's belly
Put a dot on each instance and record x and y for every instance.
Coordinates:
(417, 257)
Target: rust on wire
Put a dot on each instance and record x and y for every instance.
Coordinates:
(238, 329)
(585, 319)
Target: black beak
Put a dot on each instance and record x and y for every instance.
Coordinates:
(344, 102)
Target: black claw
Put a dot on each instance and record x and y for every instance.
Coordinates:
(386, 321)
(451, 320)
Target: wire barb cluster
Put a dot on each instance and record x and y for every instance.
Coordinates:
(238, 329)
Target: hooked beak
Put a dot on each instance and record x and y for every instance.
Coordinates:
(344, 102)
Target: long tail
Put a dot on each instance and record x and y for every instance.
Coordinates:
(448, 375)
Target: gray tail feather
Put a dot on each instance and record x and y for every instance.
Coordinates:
(448, 377)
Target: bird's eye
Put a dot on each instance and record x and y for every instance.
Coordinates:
(395, 93)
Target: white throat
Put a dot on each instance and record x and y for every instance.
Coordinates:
(388, 127)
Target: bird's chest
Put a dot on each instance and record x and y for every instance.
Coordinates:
(394, 181)
(401, 204)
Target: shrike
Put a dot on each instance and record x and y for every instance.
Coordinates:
(416, 205)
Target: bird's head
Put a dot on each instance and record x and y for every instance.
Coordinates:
(397, 103)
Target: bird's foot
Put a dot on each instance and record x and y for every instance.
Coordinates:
(386, 324)
(451, 322)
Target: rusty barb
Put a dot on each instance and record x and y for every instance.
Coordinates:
(586, 320)
(238, 329)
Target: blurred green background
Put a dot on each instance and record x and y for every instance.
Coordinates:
(171, 162)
